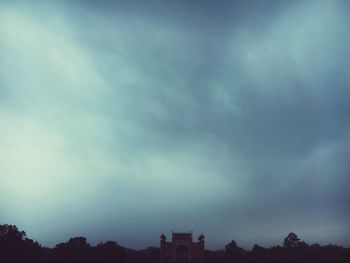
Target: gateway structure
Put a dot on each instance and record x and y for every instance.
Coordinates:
(181, 249)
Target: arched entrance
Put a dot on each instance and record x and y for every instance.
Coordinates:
(181, 254)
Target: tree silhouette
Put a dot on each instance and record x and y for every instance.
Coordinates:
(109, 252)
(10, 233)
(291, 241)
(16, 247)
(75, 250)
(233, 251)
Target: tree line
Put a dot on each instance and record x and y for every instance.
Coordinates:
(16, 247)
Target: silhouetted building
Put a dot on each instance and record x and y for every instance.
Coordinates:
(181, 249)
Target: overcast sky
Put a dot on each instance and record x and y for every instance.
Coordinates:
(120, 120)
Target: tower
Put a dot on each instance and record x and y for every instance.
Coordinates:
(181, 249)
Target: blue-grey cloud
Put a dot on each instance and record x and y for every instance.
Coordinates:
(120, 120)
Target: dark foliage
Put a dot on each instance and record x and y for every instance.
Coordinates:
(15, 247)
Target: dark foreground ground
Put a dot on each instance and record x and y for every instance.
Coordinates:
(15, 247)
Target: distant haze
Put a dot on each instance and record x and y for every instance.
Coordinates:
(120, 120)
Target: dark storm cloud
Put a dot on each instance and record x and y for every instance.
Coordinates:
(234, 115)
(277, 127)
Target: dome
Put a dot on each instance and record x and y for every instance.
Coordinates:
(162, 236)
(201, 237)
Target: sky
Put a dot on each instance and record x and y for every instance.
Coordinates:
(120, 120)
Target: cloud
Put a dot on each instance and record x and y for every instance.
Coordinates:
(109, 115)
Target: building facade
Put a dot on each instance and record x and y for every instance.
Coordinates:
(181, 249)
